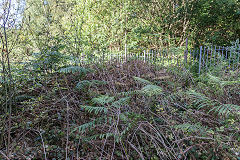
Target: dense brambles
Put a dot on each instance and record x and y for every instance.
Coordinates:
(126, 111)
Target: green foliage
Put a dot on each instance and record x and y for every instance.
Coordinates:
(45, 61)
(103, 100)
(96, 110)
(142, 81)
(200, 100)
(191, 128)
(86, 84)
(216, 80)
(122, 102)
(151, 90)
(213, 19)
(166, 119)
(226, 109)
(86, 126)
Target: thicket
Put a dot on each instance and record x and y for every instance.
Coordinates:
(53, 106)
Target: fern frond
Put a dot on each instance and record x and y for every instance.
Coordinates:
(151, 90)
(96, 110)
(98, 136)
(121, 102)
(214, 79)
(84, 127)
(217, 80)
(83, 85)
(200, 100)
(226, 83)
(142, 81)
(226, 109)
(191, 128)
(103, 99)
(106, 135)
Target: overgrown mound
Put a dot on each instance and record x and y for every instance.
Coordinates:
(127, 111)
(120, 75)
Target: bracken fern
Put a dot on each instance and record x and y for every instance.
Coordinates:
(203, 101)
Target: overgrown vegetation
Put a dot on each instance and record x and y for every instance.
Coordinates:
(55, 106)
(126, 111)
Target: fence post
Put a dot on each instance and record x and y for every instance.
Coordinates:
(144, 56)
(200, 60)
(186, 52)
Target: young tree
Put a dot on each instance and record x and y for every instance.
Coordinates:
(10, 20)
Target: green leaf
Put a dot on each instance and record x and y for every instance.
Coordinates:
(103, 99)
(142, 81)
(151, 90)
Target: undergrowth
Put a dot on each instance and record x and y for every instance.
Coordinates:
(124, 111)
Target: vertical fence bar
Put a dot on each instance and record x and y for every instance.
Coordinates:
(177, 61)
(190, 55)
(153, 51)
(143, 55)
(229, 59)
(219, 54)
(186, 52)
(168, 55)
(155, 56)
(110, 57)
(238, 62)
(174, 52)
(207, 57)
(147, 52)
(226, 53)
(170, 50)
(226, 56)
(122, 56)
(117, 56)
(137, 56)
(210, 57)
(103, 58)
(215, 50)
(148, 55)
(163, 57)
(222, 53)
(194, 55)
(125, 56)
(160, 55)
(204, 56)
(200, 60)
